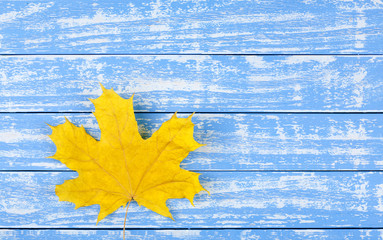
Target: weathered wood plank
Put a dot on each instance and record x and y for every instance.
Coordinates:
(234, 141)
(245, 234)
(160, 26)
(194, 83)
(237, 200)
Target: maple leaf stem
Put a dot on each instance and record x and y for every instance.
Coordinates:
(126, 214)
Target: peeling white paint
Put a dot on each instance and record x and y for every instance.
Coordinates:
(379, 195)
(13, 136)
(47, 165)
(359, 90)
(269, 17)
(100, 17)
(17, 206)
(96, 32)
(30, 9)
(323, 60)
(181, 234)
(159, 28)
(257, 62)
(95, 41)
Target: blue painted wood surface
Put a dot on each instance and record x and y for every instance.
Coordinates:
(179, 26)
(313, 234)
(194, 83)
(289, 110)
(233, 141)
(237, 200)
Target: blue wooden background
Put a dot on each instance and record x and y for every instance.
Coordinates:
(288, 97)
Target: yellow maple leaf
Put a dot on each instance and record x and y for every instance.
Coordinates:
(122, 166)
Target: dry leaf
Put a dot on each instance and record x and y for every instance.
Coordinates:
(122, 166)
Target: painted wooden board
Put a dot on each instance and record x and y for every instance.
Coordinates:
(234, 141)
(242, 234)
(194, 83)
(237, 200)
(179, 26)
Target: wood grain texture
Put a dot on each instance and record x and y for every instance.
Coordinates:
(234, 141)
(237, 200)
(264, 78)
(240, 234)
(186, 26)
(194, 83)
